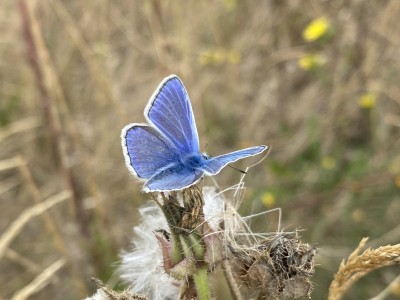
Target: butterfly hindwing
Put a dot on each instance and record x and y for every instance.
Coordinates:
(170, 111)
(214, 165)
(174, 177)
(146, 151)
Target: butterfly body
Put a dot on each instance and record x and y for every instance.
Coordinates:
(165, 153)
(194, 161)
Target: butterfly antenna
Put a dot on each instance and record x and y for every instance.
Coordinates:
(241, 171)
(205, 148)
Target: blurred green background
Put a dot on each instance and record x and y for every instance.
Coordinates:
(318, 81)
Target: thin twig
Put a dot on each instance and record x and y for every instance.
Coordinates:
(10, 163)
(387, 291)
(19, 126)
(98, 74)
(233, 286)
(21, 260)
(16, 226)
(38, 198)
(39, 282)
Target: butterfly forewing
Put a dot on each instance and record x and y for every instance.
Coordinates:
(169, 110)
(214, 165)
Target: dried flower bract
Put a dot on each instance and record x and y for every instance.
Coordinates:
(279, 267)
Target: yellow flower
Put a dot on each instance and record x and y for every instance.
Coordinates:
(233, 57)
(229, 4)
(316, 29)
(210, 57)
(268, 199)
(328, 163)
(397, 181)
(367, 100)
(219, 56)
(358, 215)
(311, 61)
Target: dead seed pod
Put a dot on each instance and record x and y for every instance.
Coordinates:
(279, 267)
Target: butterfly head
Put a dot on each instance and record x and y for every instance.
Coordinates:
(205, 156)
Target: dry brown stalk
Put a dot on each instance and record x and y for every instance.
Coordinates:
(95, 68)
(358, 265)
(22, 261)
(30, 34)
(38, 198)
(50, 77)
(8, 184)
(48, 220)
(230, 279)
(16, 226)
(10, 163)
(40, 281)
(53, 85)
(388, 290)
(19, 126)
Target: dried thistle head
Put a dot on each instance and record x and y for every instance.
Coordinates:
(278, 267)
(104, 293)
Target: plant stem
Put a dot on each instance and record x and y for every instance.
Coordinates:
(176, 250)
(31, 36)
(202, 287)
(233, 286)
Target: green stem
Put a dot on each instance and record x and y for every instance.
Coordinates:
(187, 251)
(171, 214)
(197, 246)
(176, 249)
(201, 281)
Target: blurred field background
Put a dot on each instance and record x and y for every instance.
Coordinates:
(73, 73)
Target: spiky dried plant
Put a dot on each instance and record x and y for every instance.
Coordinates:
(359, 265)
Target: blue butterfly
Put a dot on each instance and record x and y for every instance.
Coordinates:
(165, 153)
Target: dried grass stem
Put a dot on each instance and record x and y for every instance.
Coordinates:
(358, 265)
